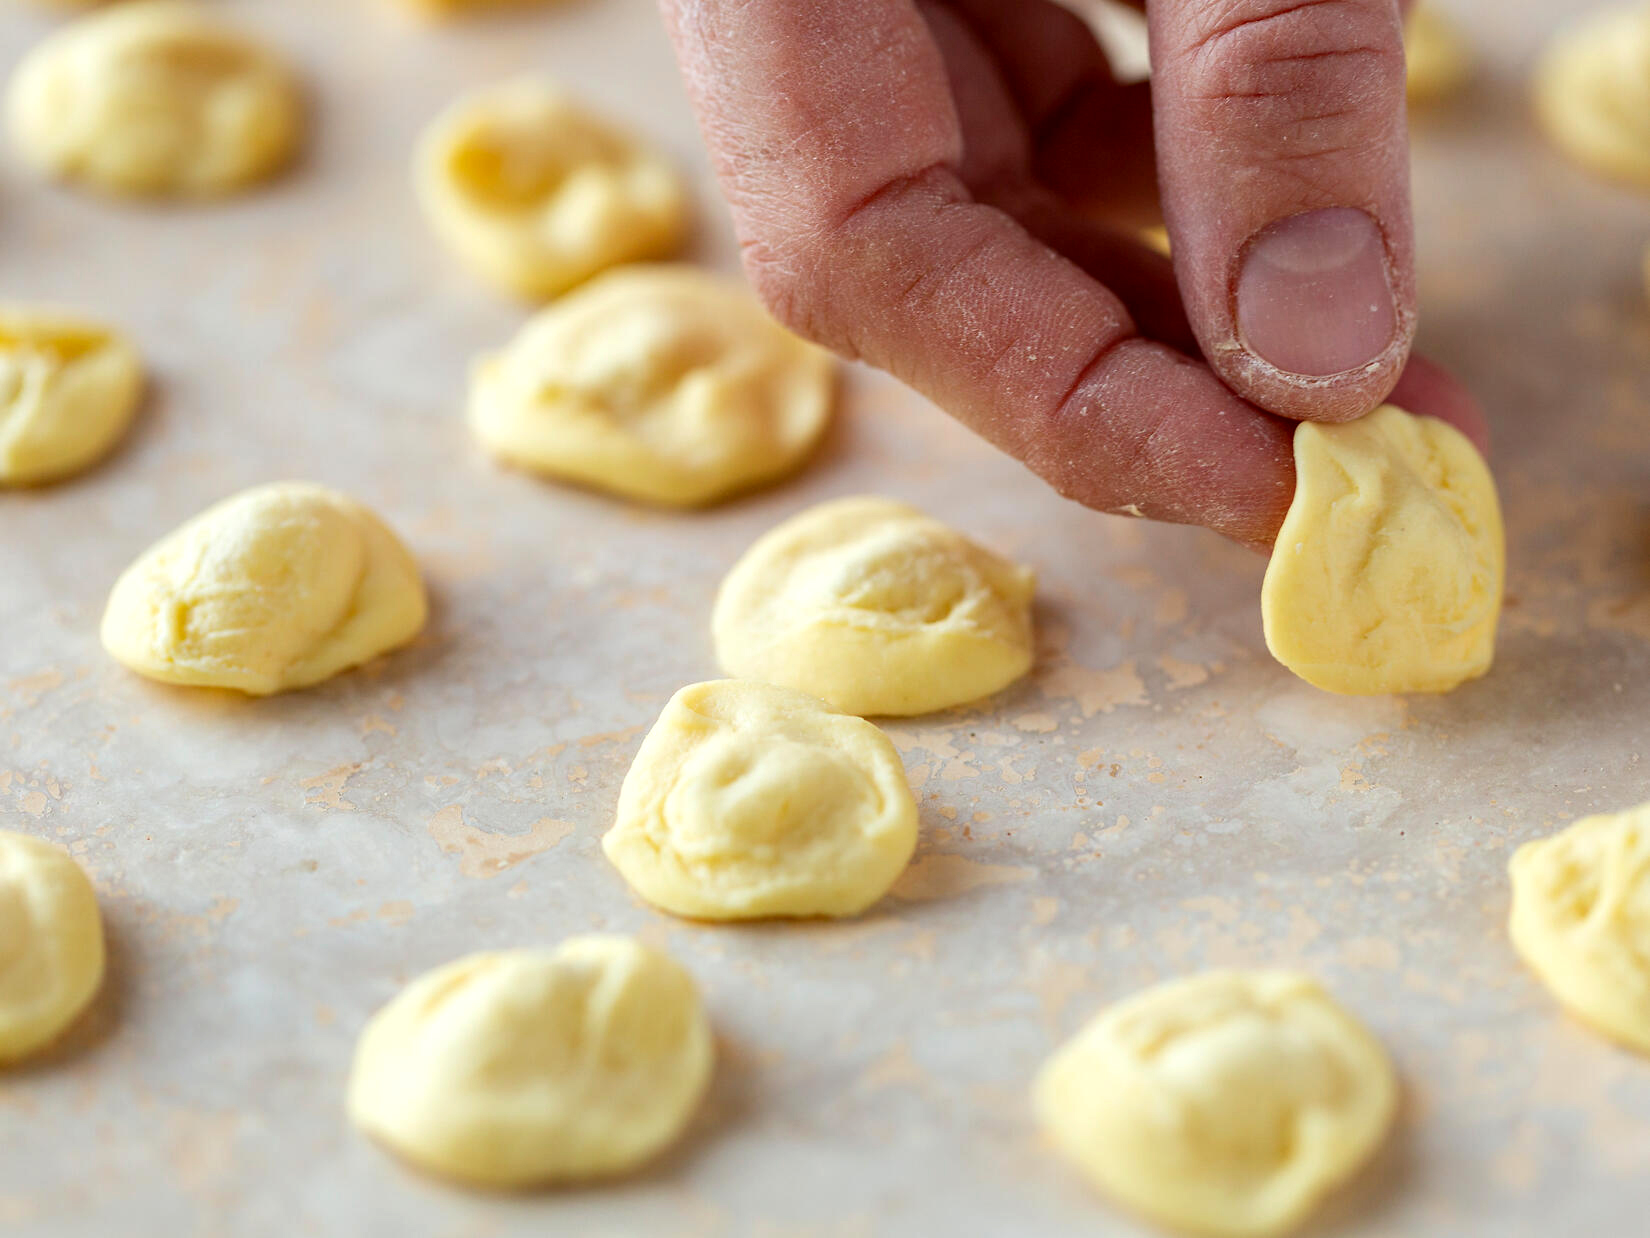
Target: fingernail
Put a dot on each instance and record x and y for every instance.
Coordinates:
(1313, 295)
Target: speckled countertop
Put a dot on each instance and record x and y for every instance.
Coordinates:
(1158, 797)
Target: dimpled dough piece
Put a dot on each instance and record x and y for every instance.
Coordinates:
(537, 194)
(658, 383)
(1581, 920)
(68, 390)
(1227, 1103)
(155, 98)
(278, 587)
(1387, 573)
(1592, 93)
(51, 943)
(535, 1066)
(750, 800)
(876, 608)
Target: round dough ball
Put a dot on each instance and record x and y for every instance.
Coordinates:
(68, 390)
(1592, 93)
(1581, 920)
(1437, 57)
(749, 800)
(51, 943)
(279, 587)
(1227, 1103)
(1388, 572)
(537, 194)
(876, 608)
(155, 98)
(657, 383)
(530, 1067)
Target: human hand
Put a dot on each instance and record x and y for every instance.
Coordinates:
(951, 190)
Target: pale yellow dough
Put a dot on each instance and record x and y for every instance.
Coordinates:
(276, 588)
(662, 384)
(1581, 920)
(155, 98)
(537, 194)
(1388, 571)
(876, 608)
(1227, 1103)
(1592, 93)
(51, 943)
(530, 1067)
(459, 8)
(1438, 59)
(749, 800)
(68, 390)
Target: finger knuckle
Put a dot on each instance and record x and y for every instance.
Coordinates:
(820, 267)
(790, 286)
(1085, 449)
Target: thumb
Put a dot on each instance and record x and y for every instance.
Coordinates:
(1283, 153)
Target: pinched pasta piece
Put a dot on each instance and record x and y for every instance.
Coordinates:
(658, 383)
(529, 1067)
(1227, 1103)
(1581, 920)
(279, 587)
(876, 608)
(1387, 573)
(155, 98)
(51, 943)
(749, 800)
(68, 390)
(537, 194)
(1592, 93)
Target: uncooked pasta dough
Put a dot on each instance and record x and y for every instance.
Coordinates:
(51, 943)
(1227, 1103)
(662, 384)
(537, 194)
(876, 608)
(1592, 93)
(1436, 55)
(278, 587)
(751, 800)
(457, 8)
(1388, 571)
(155, 98)
(1581, 920)
(68, 390)
(529, 1067)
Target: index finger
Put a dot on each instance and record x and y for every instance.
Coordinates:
(833, 131)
